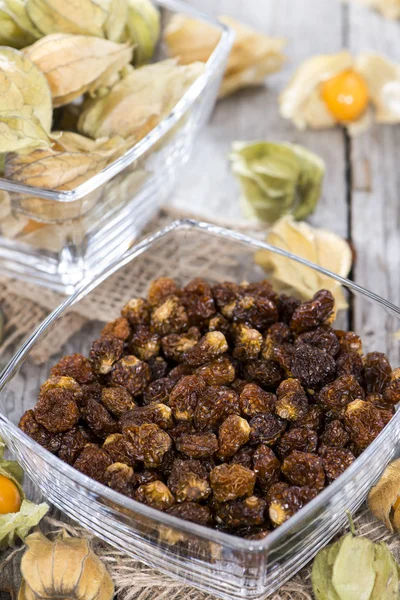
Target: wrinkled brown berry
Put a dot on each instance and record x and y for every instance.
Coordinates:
(76, 366)
(132, 374)
(119, 449)
(335, 396)
(155, 494)
(38, 433)
(286, 307)
(298, 438)
(176, 344)
(257, 312)
(248, 343)
(119, 328)
(158, 391)
(219, 323)
(117, 400)
(148, 443)
(191, 511)
(232, 481)
(323, 338)
(158, 367)
(349, 341)
(184, 397)
(105, 352)
(266, 429)
(292, 402)
(93, 462)
(160, 289)
(169, 317)
(263, 372)
(248, 512)
(363, 422)
(120, 477)
(266, 466)
(349, 363)
(212, 345)
(312, 367)
(160, 414)
(198, 301)
(215, 404)
(244, 457)
(56, 410)
(137, 312)
(225, 296)
(99, 420)
(253, 400)
(197, 445)
(334, 435)
(304, 469)
(313, 419)
(320, 310)
(71, 444)
(377, 372)
(144, 344)
(188, 481)
(217, 372)
(391, 393)
(233, 433)
(284, 501)
(335, 461)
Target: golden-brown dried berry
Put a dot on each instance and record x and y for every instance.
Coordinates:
(212, 345)
(120, 477)
(72, 442)
(232, 481)
(286, 307)
(76, 366)
(137, 311)
(320, 310)
(244, 457)
(261, 288)
(155, 494)
(191, 511)
(263, 372)
(217, 372)
(98, 418)
(145, 476)
(148, 443)
(257, 534)
(117, 400)
(280, 333)
(334, 435)
(158, 367)
(176, 344)
(266, 429)
(184, 397)
(282, 355)
(233, 433)
(349, 363)
(188, 481)
(312, 367)
(160, 289)
(225, 296)
(313, 419)
(335, 396)
(304, 469)
(169, 317)
(144, 344)
(377, 372)
(391, 394)
(66, 383)
(91, 390)
(39, 434)
(248, 512)
(292, 402)
(105, 352)
(158, 391)
(248, 343)
(256, 311)
(93, 462)
(322, 337)
(132, 374)
(178, 372)
(119, 449)
(363, 422)
(335, 461)
(253, 400)
(198, 301)
(298, 438)
(119, 328)
(266, 466)
(349, 341)
(219, 323)
(284, 501)
(215, 404)
(56, 410)
(160, 414)
(197, 445)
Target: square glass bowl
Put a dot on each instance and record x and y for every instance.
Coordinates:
(57, 238)
(222, 564)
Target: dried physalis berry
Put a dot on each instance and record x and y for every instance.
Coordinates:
(188, 481)
(198, 301)
(118, 328)
(320, 310)
(217, 372)
(304, 469)
(120, 477)
(313, 419)
(229, 482)
(216, 403)
(286, 307)
(169, 317)
(98, 419)
(266, 429)
(175, 345)
(349, 341)
(71, 444)
(212, 345)
(219, 323)
(254, 400)
(57, 410)
(184, 397)
(391, 394)
(132, 374)
(248, 343)
(335, 461)
(160, 414)
(284, 501)
(93, 462)
(76, 366)
(137, 311)
(298, 438)
(160, 289)
(148, 443)
(377, 372)
(266, 466)
(38, 433)
(334, 435)
(292, 402)
(191, 511)
(197, 445)
(249, 512)
(233, 433)
(117, 400)
(155, 494)
(144, 344)
(335, 396)
(119, 449)
(256, 311)
(266, 373)
(363, 422)
(312, 367)
(105, 352)
(225, 296)
(323, 338)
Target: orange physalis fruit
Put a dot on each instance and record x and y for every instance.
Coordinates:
(10, 498)
(346, 96)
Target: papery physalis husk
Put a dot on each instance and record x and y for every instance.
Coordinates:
(277, 179)
(142, 29)
(65, 568)
(253, 55)
(138, 102)
(17, 525)
(16, 29)
(83, 17)
(319, 246)
(75, 64)
(115, 24)
(384, 497)
(355, 568)
(383, 80)
(389, 8)
(25, 103)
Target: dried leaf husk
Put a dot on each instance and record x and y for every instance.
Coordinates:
(277, 179)
(142, 29)
(383, 80)
(84, 17)
(75, 64)
(253, 56)
(11, 34)
(26, 32)
(319, 246)
(25, 103)
(115, 24)
(17, 525)
(355, 567)
(384, 495)
(65, 568)
(137, 103)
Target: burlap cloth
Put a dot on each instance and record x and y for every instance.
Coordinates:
(24, 307)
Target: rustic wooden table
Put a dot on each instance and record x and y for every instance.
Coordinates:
(362, 188)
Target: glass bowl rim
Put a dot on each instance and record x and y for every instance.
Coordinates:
(227, 540)
(217, 58)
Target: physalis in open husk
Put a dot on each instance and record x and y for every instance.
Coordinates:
(319, 246)
(384, 497)
(277, 179)
(65, 568)
(327, 90)
(253, 55)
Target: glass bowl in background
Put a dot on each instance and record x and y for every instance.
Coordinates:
(56, 238)
(218, 563)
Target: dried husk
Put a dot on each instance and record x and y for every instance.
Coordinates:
(138, 102)
(319, 246)
(384, 495)
(383, 80)
(84, 17)
(142, 29)
(390, 9)
(16, 10)
(114, 26)
(65, 568)
(253, 56)
(75, 64)
(277, 179)
(11, 34)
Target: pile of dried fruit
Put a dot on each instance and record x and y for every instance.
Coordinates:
(227, 405)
